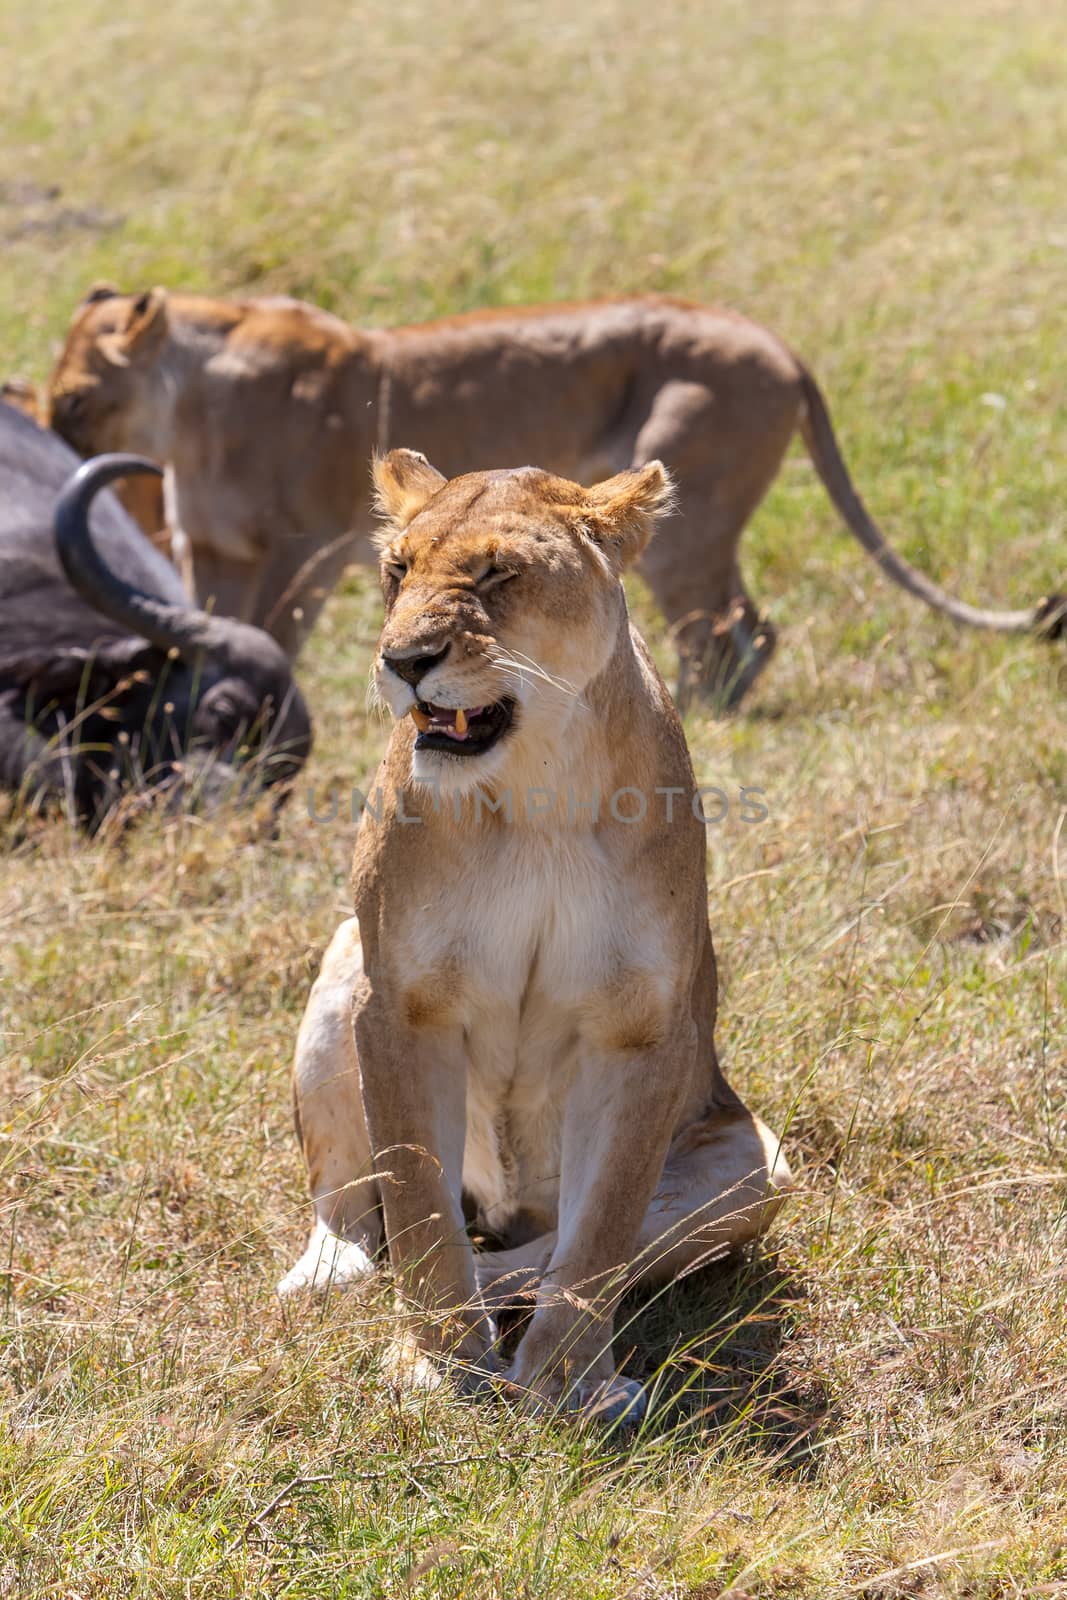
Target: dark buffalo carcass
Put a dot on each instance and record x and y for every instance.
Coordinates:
(112, 683)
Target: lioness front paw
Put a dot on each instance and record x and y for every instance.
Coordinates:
(611, 1401)
(616, 1401)
(408, 1366)
(328, 1262)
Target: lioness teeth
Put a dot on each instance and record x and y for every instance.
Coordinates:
(453, 721)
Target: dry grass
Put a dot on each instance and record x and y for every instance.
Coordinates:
(877, 1404)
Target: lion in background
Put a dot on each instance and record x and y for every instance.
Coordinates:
(267, 412)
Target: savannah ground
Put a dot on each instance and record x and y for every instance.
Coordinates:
(874, 1404)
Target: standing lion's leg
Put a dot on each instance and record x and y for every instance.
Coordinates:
(296, 580)
(332, 1127)
(722, 466)
(722, 639)
(225, 587)
(723, 658)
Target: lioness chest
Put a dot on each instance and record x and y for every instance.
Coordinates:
(554, 958)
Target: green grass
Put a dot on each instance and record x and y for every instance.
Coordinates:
(876, 1404)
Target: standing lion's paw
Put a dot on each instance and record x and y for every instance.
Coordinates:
(328, 1262)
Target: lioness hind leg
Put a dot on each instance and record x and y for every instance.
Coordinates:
(723, 1182)
(295, 583)
(332, 1128)
(722, 640)
(721, 653)
(722, 465)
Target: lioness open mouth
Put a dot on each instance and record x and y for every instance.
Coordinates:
(461, 731)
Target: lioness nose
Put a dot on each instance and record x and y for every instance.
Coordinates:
(414, 667)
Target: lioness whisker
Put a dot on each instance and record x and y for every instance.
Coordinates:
(512, 677)
(535, 666)
(528, 666)
(375, 705)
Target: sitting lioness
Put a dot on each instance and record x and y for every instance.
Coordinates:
(267, 410)
(530, 972)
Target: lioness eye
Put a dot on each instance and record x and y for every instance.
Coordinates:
(494, 576)
(397, 570)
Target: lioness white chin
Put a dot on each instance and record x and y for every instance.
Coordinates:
(534, 992)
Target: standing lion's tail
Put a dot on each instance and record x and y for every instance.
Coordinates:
(1048, 617)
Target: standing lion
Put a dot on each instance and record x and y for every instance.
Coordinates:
(268, 411)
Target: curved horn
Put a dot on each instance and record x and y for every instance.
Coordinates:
(161, 623)
(186, 629)
(237, 648)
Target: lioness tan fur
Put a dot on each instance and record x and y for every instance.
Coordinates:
(22, 394)
(268, 411)
(530, 971)
(142, 496)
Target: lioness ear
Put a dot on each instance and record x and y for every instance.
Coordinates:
(404, 481)
(146, 323)
(100, 291)
(622, 511)
(22, 394)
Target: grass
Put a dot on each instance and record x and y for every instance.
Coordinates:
(876, 1403)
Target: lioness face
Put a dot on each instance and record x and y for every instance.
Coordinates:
(105, 391)
(503, 602)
